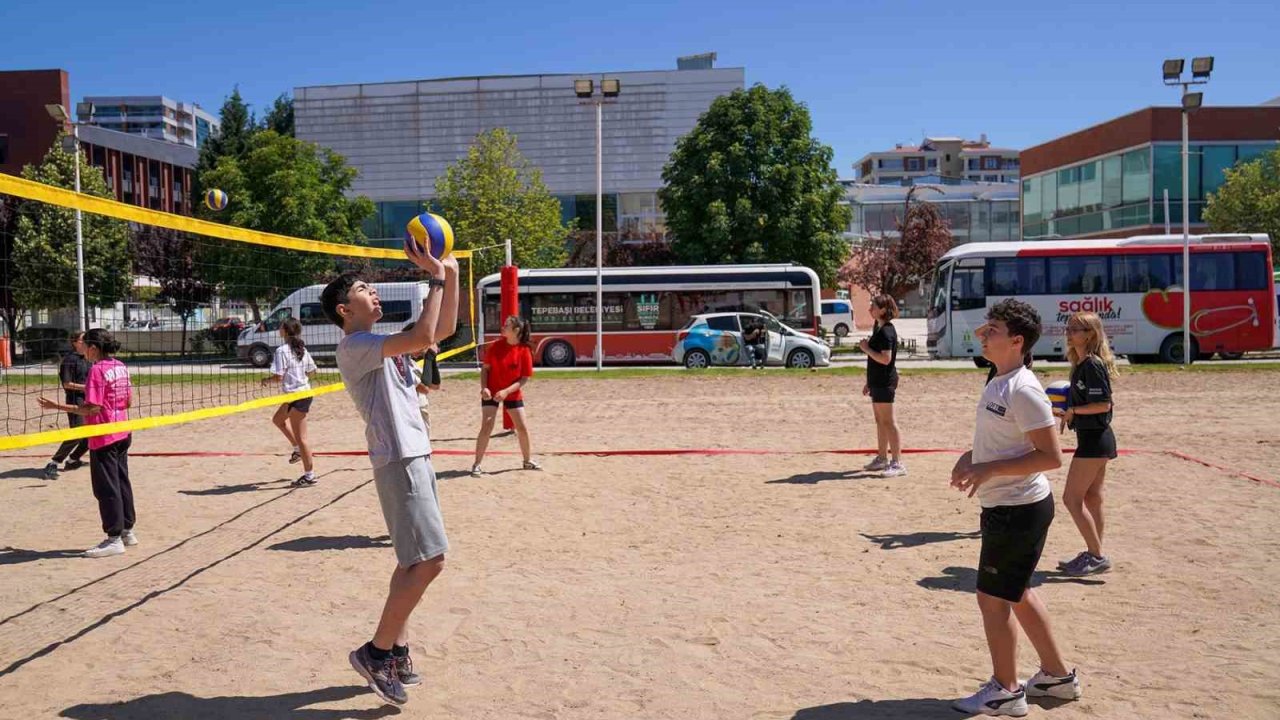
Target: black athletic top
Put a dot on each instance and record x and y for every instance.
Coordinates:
(884, 338)
(74, 369)
(1090, 384)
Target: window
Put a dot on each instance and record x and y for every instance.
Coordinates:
(1031, 200)
(1209, 271)
(723, 322)
(1049, 195)
(1068, 191)
(1251, 271)
(1136, 172)
(1140, 273)
(890, 164)
(586, 207)
(1080, 274)
(990, 163)
(1215, 160)
(1112, 182)
(1090, 186)
(933, 163)
(914, 164)
(1015, 276)
(274, 319)
(967, 289)
(313, 314)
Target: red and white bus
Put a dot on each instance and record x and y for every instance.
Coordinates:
(644, 307)
(1134, 284)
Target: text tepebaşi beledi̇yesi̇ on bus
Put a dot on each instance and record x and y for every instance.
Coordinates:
(644, 307)
(1134, 284)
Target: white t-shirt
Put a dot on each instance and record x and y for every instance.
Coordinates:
(1012, 405)
(384, 391)
(292, 371)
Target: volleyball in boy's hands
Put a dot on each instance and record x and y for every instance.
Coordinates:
(1057, 392)
(432, 233)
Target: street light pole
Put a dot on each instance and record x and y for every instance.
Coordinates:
(599, 234)
(1201, 68)
(75, 134)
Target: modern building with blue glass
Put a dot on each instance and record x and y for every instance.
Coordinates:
(1109, 180)
(401, 136)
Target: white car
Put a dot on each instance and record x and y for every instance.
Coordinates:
(837, 316)
(716, 339)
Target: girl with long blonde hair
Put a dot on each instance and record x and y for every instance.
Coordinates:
(1093, 368)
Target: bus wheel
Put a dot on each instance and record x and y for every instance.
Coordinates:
(696, 360)
(260, 356)
(800, 358)
(558, 354)
(1171, 349)
(1230, 355)
(842, 330)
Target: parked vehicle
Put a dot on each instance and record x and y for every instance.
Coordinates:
(716, 339)
(41, 342)
(401, 303)
(837, 316)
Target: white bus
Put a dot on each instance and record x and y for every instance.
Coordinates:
(1134, 284)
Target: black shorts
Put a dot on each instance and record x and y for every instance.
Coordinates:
(303, 406)
(1012, 539)
(506, 404)
(883, 394)
(1096, 444)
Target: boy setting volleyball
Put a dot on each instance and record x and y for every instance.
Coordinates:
(1093, 367)
(377, 372)
(1015, 441)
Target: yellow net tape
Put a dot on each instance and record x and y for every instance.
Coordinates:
(30, 190)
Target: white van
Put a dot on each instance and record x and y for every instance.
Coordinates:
(401, 303)
(837, 317)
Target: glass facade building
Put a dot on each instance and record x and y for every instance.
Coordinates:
(978, 212)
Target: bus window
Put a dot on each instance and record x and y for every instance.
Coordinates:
(1213, 271)
(1079, 274)
(799, 309)
(1251, 271)
(1002, 276)
(968, 291)
(1141, 273)
(1032, 279)
(941, 280)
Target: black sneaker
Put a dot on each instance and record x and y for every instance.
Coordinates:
(381, 676)
(51, 471)
(73, 465)
(304, 481)
(404, 671)
(296, 457)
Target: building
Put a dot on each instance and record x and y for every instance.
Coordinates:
(26, 130)
(1109, 179)
(951, 159)
(977, 212)
(141, 171)
(401, 136)
(153, 116)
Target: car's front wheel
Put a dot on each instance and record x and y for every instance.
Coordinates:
(800, 358)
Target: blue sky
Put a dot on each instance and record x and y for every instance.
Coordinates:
(872, 73)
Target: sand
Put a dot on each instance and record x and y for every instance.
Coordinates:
(775, 586)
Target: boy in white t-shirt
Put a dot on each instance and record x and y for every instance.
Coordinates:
(1014, 442)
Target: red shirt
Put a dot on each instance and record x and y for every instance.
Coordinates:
(507, 364)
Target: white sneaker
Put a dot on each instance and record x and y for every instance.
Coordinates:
(993, 699)
(895, 470)
(1042, 684)
(876, 465)
(106, 548)
(476, 471)
(128, 538)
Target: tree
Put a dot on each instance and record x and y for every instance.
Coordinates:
(41, 271)
(1249, 200)
(169, 257)
(892, 265)
(495, 194)
(750, 184)
(237, 125)
(280, 116)
(287, 186)
(619, 253)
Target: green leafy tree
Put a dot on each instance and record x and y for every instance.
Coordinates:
(169, 257)
(1249, 200)
(494, 194)
(280, 116)
(894, 264)
(42, 267)
(280, 185)
(751, 184)
(237, 125)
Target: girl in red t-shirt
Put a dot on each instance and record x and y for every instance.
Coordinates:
(508, 365)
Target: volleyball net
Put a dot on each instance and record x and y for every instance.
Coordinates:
(195, 305)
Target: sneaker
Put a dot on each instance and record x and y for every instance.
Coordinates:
(51, 471)
(531, 465)
(1042, 684)
(1087, 564)
(404, 671)
(895, 470)
(73, 465)
(128, 538)
(993, 699)
(296, 457)
(381, 676)
(1064, 564)
(876, 465)
(476, 471)
(307, 480)
(106, 548)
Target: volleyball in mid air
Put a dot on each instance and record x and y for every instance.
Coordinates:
(215, 200)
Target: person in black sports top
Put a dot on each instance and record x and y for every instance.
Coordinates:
(1093, 367)
(882, 385)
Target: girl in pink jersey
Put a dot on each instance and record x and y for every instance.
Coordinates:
(108, 395)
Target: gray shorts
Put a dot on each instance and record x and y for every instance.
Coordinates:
(411, 507)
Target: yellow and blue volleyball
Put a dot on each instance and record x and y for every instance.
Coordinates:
(1057, 392)
(432, 233)
(215, 200)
